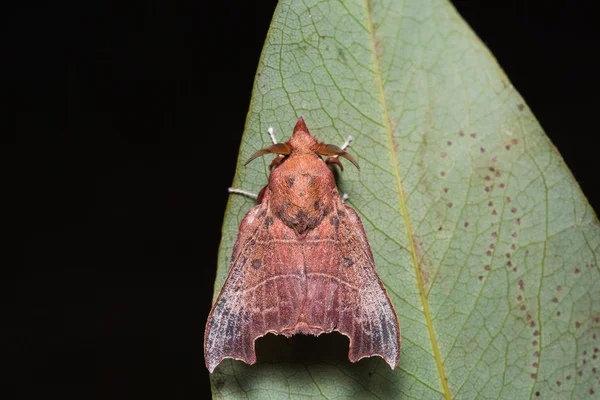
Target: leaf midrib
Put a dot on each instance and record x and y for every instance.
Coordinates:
(404, 207)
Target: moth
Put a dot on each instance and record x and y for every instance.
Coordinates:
(302, 264)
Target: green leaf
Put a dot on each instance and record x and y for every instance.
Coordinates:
(486, 245)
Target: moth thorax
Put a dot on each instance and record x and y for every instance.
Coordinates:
(301, 202)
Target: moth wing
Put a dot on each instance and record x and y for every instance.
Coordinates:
(263, 292)
(344, 292)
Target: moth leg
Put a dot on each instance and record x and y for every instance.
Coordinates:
(242, 192)
(258, 197)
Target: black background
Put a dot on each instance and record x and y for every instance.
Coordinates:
(128, 119)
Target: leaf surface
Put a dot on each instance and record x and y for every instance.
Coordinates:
(484, 241)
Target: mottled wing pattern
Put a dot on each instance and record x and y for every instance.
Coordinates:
(263, 292)
(344, 291)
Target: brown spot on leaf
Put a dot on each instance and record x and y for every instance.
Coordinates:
(577, 324)
(450, 205)
(501, 185)
(466, 224)
(513, 210)
(444, 154)
(487, 178)
(473, 135)
(445, 190)
(487, 268)
(482, 150)
(554, 300)
(449, 143)
(443, 173)
(494, 235)
(521, 107)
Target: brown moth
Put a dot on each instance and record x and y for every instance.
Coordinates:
(301, 264)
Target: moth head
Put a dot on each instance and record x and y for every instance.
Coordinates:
(302, 142)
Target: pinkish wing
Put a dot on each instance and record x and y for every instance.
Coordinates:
(263, 292)
(345, 293)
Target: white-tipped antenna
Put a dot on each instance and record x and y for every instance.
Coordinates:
(344, 197)
(270, 130)
(347, 142)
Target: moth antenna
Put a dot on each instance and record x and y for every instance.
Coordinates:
(332, 150)
(242, 192)
(278, 148)
(347, 142)
(270, 130)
